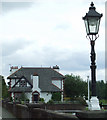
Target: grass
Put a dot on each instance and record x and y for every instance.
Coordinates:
(103, 101)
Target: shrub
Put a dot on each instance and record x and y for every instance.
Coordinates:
(56, 96)
(81, 100)
(50, 102)
(42, 100)
(27, 100)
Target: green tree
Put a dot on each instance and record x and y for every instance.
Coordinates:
(56, 96)
(5, 93)
(23, 96)
(100, 89)
(74, 86)
(106, 91)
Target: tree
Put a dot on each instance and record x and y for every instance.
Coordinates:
(5, 93)
(105, 91)
(100, 89)
(74, 86)
(56, 96)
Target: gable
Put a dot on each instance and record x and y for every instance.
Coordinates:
(57, 83)
(22, 82)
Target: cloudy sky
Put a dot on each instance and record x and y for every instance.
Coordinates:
(50, 32)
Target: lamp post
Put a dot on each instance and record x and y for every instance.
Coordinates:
(92, 22)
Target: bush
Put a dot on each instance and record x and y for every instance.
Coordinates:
(22, 102)
(56, 96)
(27, 100)
(81, 100)
(11, 99)
(50, 102)
(42, 100)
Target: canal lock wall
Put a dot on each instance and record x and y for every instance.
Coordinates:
(51, 112)
(41, 110)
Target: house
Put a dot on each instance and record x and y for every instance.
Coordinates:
(35, 82)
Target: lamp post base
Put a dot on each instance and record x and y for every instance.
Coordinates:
(94, 103)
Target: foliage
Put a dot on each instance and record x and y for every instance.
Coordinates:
(5, 93)
(56, 96)
(50, 102)
(23, 97)
(42, 100)
(105, 91)
(74, 86)
(103, 101)
(81, 100)
(27, 100)
(101, 89)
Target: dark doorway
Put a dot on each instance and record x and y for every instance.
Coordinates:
(35, 97)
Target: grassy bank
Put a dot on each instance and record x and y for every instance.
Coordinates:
(103, 101)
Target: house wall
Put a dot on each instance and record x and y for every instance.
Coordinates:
(29, 96)
(12, 82)
(12, 95)
(62, 87)
(47, 96)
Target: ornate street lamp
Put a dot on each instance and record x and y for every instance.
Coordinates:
(92, 22)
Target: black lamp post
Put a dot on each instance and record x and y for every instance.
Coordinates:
(92, 22)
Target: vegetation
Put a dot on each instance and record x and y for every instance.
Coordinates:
(50, 102)
(74, 86)
(23, 98)
(103, 101)
(42, 100)
(5, 93)
(101, 89)
(56, 96)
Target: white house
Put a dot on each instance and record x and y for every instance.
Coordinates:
(35, 82)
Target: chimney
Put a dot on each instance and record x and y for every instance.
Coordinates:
(13, 69)
(56, 68)
(35, 82)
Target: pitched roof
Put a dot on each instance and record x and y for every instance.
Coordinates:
(45, 76)
(22, 89)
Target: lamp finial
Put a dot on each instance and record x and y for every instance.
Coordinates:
(92, 4)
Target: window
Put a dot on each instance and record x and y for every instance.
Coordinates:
(23, 83)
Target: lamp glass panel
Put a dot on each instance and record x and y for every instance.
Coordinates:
(93, 26)
(87, 26)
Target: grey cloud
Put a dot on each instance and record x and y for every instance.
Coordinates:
(69, 60)
(74, 61)
(49, 56)
(9, 48)
(63, 26)
(101, 61)
(8, 6)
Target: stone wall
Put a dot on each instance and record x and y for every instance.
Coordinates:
(58, 106)
(23, 111)
(40, 111)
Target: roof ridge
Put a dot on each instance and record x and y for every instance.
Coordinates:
(37, 67)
